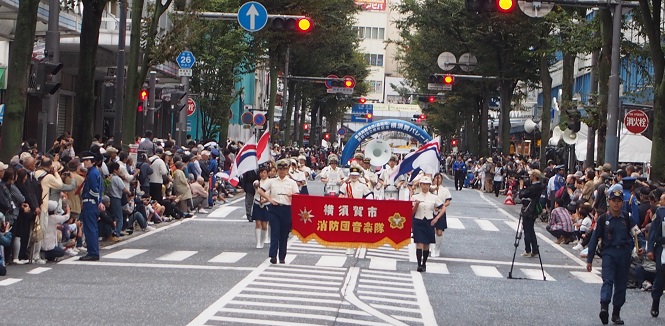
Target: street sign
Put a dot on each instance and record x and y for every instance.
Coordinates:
(359, 112)
(259, 119)
(439, 87)
(191, 107)
(184, 72)
(636, 121)
(252, 16)
(340, 90)
(247, 118)
(341, 131)
(186, 60)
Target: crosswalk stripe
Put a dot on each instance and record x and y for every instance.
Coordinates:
(513, 225)
(294, 280)
(334, 261)
(437, 268)
(125, 253)
(486, 271)
(227, 257)
(385, 294)
(587, 277)
(381, 306)
(39, 270)
(536, 274)
(383, 263)
(223, 211)
(257, 321)
(289, 258)
(287, 298)
(486, 225)
(301, 293)
(10, 281)
(178, 255)
(454, 223)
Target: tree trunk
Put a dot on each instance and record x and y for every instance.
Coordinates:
(484, 119)
(567, 80)
(603, 80)
(591, 139)
(20, 55)
(300, 105)
(85, 91)
(132, 84)
(546, 84)
(506, 95)
(289, 113)
(273, 90)
(473, 126)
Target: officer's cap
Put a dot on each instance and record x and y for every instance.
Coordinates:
(367, 160)
(628, 182)
(333, 159)
(426, 180)
(282, 164)
(616, 193)
(354, 170)
(393, 158)
(621, 172)
(87, 155)
(559, 167)
(359, 156)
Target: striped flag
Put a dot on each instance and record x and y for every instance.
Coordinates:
(263, 147)
(426, 158)
(245, 161)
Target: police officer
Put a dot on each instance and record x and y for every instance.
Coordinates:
(655, 251)
(614, 228)
(278, 192)
(459, 169)
(91, 198)
(425, 204)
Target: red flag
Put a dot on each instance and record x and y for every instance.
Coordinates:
(263, 148)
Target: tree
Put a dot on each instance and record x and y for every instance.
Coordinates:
(85, 93)
(19, 66)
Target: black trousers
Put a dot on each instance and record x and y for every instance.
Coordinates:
(459, 180)
(530, 240)
(23, 228)
(659, 281)
(156, 192)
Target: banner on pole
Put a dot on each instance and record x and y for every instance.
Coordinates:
(351, 223)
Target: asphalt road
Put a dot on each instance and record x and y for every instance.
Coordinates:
(206, 271)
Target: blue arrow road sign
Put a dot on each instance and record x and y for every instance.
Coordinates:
(186, 60)
(252, 16)
(359, 111)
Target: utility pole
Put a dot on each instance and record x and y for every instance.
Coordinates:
(181, 126)
(120, 76)
(285, 97)
(612, 138)
(150, 110)
(49, 113)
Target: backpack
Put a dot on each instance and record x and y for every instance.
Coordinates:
(559, 193)
(205, 170)
(142, 176)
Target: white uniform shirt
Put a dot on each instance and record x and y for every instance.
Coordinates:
(357, 189)
(280, 190)
(370, 176)
(298, 176)
(444, 194)
(332, 174)
(385, 174)
(428, 203)
(307, 171)
(257, 197)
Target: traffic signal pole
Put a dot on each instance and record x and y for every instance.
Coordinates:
(181, 126)
(120, 77)
(49, 113)
(612, 138)
(149, 112)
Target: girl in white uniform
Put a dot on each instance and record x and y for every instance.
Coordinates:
(444, 195)
(424, 206)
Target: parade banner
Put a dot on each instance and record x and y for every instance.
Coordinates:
(351, 223)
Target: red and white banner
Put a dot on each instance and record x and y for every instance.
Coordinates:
(372, 4)
(351, 223)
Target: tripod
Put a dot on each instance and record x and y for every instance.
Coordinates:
(518, 236)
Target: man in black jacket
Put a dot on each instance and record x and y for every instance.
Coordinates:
(247, 184)
(531, 198)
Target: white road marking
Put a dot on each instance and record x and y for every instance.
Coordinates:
(412, 253)
(75, 261)
(385, 294)
(39, 270)
(384, 277)
(139, 237)
(437, 268)
(125, 253)
(393, 308)
(289, 258)
(385, 288)
(587, 277)
(334, 261)
(536, 274)
(486, 225)
(216, 220)
(223, 211)
(512, 224)
(280, 291)
(383, 263)
(498, 262)
(10, 281)
(423, 300)
(258, 321)
(178, 255)
(280, 280)
(486, 271)
(379, 299)
(228, 257)
(287, 298)
(454, 223)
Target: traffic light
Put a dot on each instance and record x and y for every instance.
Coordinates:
(108, 95)
(326, 136)
(369, 116)
(176, 98)
(431, 99)
(139, 107)
(143, 95)
(448, 80)
(503, 6)
(44, 78)
(300, 24)
(362, 100)
(453, 143)
(445, 82)
(423, 116)
(306, 127)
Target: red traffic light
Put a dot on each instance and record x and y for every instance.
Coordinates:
(454, 142)
(423, 117)
(362, 100)
(448, 79)
(140, 108)
(505, 5)
(304, 25)
(431, 99)
(326, 136)
(143, 95)
(349, 82)
(306, 127)
(368, 115)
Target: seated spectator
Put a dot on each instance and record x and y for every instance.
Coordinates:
(561, 223)
(583, 225)
(105, 222)
(199, 195)
(135, 211)
(50, 248)
(5, 240)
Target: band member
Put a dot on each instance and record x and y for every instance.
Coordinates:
(299, 177)
(384, 178)
(302, 166)
(446, 197)
(368, 174)
(616, 230)
(424, 219)
(260, 211)
(91, 198)
(278, 192)
(332, 175)
(354, 188)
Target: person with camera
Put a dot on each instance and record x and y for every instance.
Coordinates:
(530, 199)
(616, 231)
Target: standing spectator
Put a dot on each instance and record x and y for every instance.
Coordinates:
(498, 178)
(146, 145)
(144, 171)
(655, 247)
(459, 169)
(159, 174)
(117, 191)
(26, 216)
(49, 179)
(181, 187)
